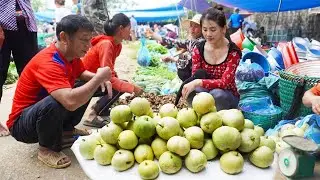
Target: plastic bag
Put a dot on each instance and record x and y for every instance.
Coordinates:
(249, 72)
(313, 132)
(144, 57)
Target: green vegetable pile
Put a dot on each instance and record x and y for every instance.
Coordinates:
(12, 76)
(158, 48)
(151, 79)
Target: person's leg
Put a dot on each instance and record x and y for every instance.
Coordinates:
(224, 99)
(24, 46)
(3, 131)
(5, 54)
(43, 123)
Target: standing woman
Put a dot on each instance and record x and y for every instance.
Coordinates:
(104, 51)
(20, 31)
(184, 61)
(219, 58)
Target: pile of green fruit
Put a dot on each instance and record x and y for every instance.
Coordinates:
(190, 135)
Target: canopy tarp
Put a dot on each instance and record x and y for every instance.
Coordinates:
(172, 12)
(195, 5)
(270, 5)
(45, 16)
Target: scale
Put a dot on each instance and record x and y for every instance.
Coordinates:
(297, 161)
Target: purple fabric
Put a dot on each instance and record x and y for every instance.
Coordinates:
(195, 5)
(8, 15)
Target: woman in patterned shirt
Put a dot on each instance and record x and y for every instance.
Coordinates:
(218, 58)
(184, 62)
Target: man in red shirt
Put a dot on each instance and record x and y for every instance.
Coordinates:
(312, 99)
(45, 105)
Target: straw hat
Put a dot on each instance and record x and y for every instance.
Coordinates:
(196, 19)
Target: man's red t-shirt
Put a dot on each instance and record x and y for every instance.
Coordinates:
(46, 72)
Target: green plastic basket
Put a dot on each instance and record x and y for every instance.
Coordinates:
(292, 77)
(264, 121)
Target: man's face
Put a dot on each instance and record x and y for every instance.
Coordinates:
(79, 43)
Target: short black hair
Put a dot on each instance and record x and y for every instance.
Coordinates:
(214, 15)
(60, 2)
(72, 23)
(117, 20)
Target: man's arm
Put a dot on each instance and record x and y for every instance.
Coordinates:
(72, 99)
(86, 76)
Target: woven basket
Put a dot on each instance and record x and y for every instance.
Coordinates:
(309, 72)
(264, 121)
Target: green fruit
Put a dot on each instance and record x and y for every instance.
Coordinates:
(170, 163)
(187, 117)
(210, 122)
(147, 141)
(87, 147)
(195, 136)
(148, 169)
(168, 110)
(144, 127)
(140, 106)
(250, 140)
(178, 145)
(120, 114)
(122, 160)
(259, 130)
(103, 154)
(226, 138)
(167, 127)
(143, 152)
(262, 157)
(269, 142)
(127, 140)
(203, 103)
(195, 161)
(209, 149)
(231, 162)
(248, 124)
(232, 118)
(159, 146)
(110, 133)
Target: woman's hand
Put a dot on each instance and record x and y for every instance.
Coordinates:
(191, 86)
(137, 90)
(168, 59)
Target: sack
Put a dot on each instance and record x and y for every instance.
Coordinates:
(144, 57)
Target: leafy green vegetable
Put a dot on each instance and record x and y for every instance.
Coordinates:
(12, 75)
(158, 48)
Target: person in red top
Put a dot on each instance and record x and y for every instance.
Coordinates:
(105, 49)
(218, 58)
(46, 107)
(311, 98)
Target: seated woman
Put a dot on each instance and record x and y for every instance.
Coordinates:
(218, 58)
(104, 51)
(184, 61)
(311, 99)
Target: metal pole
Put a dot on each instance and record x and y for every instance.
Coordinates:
(274, 29)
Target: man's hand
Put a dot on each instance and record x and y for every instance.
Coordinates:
(168, 59)
(316, 105)
(107, 85)
(137, 90)
(103, 74)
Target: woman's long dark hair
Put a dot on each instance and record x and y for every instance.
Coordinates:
(111, 26)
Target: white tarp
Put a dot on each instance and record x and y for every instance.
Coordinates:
(97, 172)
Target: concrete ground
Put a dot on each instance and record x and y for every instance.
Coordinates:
(18, 161)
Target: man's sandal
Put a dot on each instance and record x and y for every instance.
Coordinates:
(52, 159)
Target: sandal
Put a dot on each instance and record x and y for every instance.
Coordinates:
(76, 132)
(97, 122)
(53, 158)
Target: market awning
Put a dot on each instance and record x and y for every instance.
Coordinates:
(195, 5)
(270, 5)
(45, 16)
(171, 12)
